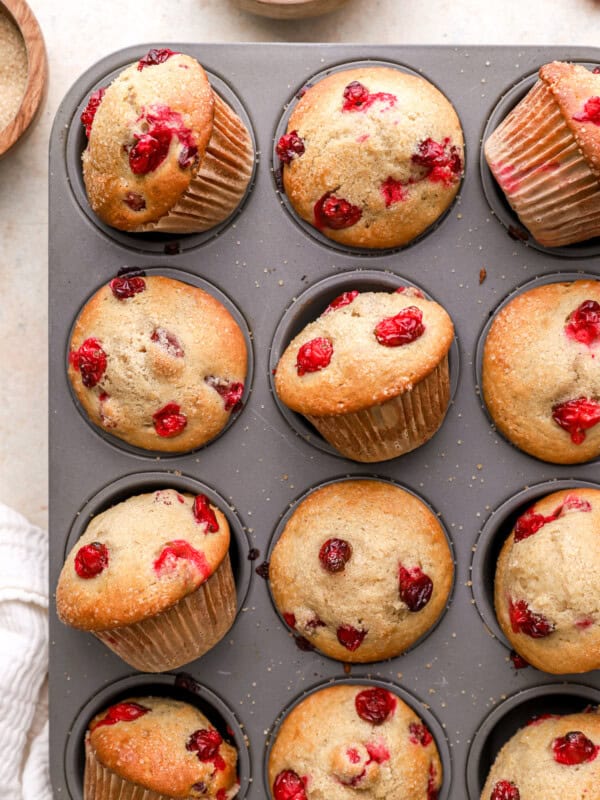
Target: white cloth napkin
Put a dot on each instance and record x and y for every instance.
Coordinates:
(24, 773)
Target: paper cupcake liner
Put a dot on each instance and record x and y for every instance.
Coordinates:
(393, 428)
(221, 181)
(183, 632)
(535, 158)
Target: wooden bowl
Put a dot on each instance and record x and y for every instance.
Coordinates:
(37, 72)
(290, 9)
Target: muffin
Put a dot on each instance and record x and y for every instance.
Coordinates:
(371, 373)
(151, 578)
(157, 363)
(346, 741)
(546, 156)
(372, 156)
(547, 587)
(157, 748)
(362, 570)
(552, 757)
(165, 152)
(541, 381)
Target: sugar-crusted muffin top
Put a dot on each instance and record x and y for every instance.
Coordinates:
(541, 371)
(548, 582)
(362, 570)
(552, 757)
(351, 741)
(364, 349)
(165, 746)
(139, 558)
(157, 362)
(372, 156)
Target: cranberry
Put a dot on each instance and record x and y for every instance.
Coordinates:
(574, 748)
(531, 522)
(574, 503)
(151, 148)
(410, 291)
(351, 638)
(303, 644)
(342, 300)
(375, 705)
(335, 554)
(168, 421)
(590, 113)
(441, 160)
(135, 201)
(432, 790)
(523, 620)
(121, 712)
(204, 514)
(263, 570)
(154, 57)
(87, 117)
(358, 98)
(393, 191)
(577, 416)
(289, 146)
(518, 660)
(314, 356)
(415, 588)
(583, 324)
(149, 151)
(406, 327)
(420, 734)
(180, 549)
(90, 361)
(231, 393)
(505, 790)
(187, 155)
(378, 752)
(168, 341)
(205, 743)
(125, 287)
(335, 213)
(91, 560)
(289, 786)
(290, 619)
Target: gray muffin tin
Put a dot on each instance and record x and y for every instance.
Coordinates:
(264, 260)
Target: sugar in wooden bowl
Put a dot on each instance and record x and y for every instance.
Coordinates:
(290, 9)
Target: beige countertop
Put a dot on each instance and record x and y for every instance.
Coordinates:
(78, 34)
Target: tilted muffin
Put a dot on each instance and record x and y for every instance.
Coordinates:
(165, 152)
(371, 373)
(551, 758)
(151, 578)
(349, 741)
(547, 586)
(546, 156)
(157, 362)
(541, 375)
(362, 570)
(157, 748)
(372, 156)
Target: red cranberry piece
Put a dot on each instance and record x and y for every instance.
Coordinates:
(204, 513)
(314, 356)
(523, 620)
(222, 793)
(577, 416)
(404, 328)
(583, 324)
(420, 734)
(351, 638)
(375, 705)
(343, 300)
(518, 660)
(574, 503)
(441, 160)
(124, 288)
(168, 421)
(378, 752)
(289, 786)
(180, 549)
(393, 191)
(574, 748)
(415, 588)
(289, 146)
(149, 151)
(335, 213)
(590, 113)
(290, 619)
(168, 341)
(205, 743)
(87, 117)
(315, 623)
(135, 201)
(529, 523)
(155, 56)
(90, 361)
(410, 291)
(91, 560)
(432, 790)
(121, 712)
(505, 790)
(356, 96)
(231, 393)
(335, 554)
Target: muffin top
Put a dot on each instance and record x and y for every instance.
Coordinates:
(364, 349)
(548, 582)
(552, 757)
(139, 558)
(157, 362)
(362, 570)
(148, 132)
(541, 373)
(372, 156)
(349, 741)
(165, 746)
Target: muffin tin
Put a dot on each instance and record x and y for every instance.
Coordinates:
(264, 261)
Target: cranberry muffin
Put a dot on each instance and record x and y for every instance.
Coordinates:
(152, 579)
(165, 152)
(371, 373)
(157, 363)
(551, 758)
(372, 156)
(157, 748)
(541, 380)
(546, 156)
(362, 570)
(349, 741)
(547, 586)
